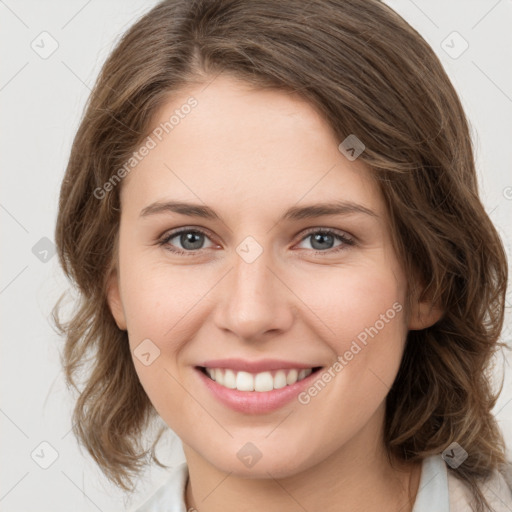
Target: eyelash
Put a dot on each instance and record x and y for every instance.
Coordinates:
(164, 241)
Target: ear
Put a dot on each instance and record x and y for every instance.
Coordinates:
(423, 314)
(114, 301)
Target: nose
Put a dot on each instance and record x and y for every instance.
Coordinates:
(254, 300)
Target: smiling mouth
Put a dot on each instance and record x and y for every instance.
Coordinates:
(259, 382)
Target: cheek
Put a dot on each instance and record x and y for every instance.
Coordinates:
(363, 310)
(347, 301)
(159, 298)
(159, 303)
(376, 328)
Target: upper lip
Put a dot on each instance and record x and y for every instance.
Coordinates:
(255, 366)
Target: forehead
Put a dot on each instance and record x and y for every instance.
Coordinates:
(249, 146)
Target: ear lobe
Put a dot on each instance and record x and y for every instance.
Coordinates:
(114, 301)
(424, 314)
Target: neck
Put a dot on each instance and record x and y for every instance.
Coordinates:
(356, 477)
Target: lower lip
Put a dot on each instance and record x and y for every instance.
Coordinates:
(255, 402)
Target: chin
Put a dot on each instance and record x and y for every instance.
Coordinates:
(282, 466)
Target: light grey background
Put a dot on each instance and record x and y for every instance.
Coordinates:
(42, 101)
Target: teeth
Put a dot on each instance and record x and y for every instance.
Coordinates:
(292, 377)
(264, 381)
(229, 379)
(244, 381)
(279, 379)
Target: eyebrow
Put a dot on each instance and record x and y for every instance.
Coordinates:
(294, 213)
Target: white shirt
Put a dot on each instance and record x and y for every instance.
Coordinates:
(439, 491)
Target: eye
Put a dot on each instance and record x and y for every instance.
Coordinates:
(190, 239)
(322, 240)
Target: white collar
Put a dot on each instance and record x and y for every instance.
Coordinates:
(433, 487)
(438, 490)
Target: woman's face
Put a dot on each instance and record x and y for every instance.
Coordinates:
(266, 282)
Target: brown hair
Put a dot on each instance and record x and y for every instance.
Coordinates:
(370, 74)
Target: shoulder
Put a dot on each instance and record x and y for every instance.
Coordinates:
(497, 491)
(170, 496)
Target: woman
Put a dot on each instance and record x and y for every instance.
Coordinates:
(223, 145)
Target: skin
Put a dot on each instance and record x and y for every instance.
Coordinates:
(250, 154)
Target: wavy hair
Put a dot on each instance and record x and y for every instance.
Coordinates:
(370, 74)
